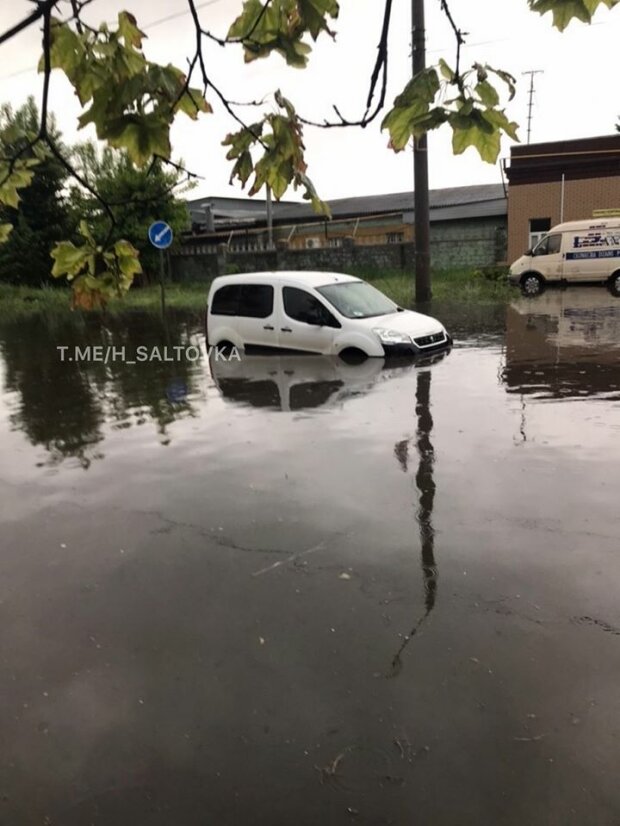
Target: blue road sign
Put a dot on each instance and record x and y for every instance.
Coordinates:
(160, 235)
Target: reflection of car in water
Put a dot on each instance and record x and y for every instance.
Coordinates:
(564, 343)
(291, 383)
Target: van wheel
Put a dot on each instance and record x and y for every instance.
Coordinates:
(532, 284)
(225, 347)
(614, 284)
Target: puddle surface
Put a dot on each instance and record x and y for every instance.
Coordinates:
(291, 590)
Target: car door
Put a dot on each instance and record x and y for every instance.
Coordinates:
(548, 258)
(257, 316)
(305, 322)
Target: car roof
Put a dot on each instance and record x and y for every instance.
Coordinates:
(300, 277)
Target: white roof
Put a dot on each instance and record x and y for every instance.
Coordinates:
(300, 277)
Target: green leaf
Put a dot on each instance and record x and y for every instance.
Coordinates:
(281, 27)
(497, 119)
(192, 102)
(412, 109)
(129, 31)
(15, 178)
(5, 231)
(242, 169)
(69, 260)
(445, 70)
(564, 11)
(487, 93)
(478, 134)
(141, 135)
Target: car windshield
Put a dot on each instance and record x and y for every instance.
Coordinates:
(356, 299)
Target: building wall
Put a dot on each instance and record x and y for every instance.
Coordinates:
(543, 200)
(454, 244)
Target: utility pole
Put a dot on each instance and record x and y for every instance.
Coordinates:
(420, 169)
(269, 203)
(530, 107)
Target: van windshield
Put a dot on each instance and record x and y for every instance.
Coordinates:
(357, 299)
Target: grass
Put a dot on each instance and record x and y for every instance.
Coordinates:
(460, 286)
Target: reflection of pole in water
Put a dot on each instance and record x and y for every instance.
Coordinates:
(426, 488)
(425, 483)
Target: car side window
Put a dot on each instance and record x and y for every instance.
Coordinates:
(226, 300)
(256, 301)
(302, 306)
(550, 245)
(246, 300)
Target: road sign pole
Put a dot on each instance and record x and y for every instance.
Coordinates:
(162, 286)
(160, 235)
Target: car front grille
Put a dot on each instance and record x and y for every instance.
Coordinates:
(429, 341)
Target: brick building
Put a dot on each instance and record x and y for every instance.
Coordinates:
(561, 181)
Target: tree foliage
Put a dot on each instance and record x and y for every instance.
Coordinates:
(34, 213)
(136, 196)
(131, 101)
(95, 271)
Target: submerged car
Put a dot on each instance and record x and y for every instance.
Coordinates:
(316, 312)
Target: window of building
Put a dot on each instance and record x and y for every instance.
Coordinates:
(395, 237)
(538, 228)
(246, 300)
(301, 306)
(334, 242)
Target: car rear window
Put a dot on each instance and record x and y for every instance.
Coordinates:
(246, 300)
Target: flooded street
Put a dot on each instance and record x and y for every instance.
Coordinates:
(290, 590)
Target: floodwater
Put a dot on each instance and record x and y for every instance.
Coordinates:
(297, 592)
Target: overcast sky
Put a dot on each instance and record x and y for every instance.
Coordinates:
(576, 96)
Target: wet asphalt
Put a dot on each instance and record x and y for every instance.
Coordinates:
(293, 591)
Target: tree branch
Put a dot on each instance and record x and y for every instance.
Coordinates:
(42, 7)
(198, 58)
(380, 70)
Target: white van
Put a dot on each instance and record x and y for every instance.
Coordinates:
(315, 312)
(586, 251)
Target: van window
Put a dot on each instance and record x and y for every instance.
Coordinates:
(246, 300)
(549, 245)
(302, 306)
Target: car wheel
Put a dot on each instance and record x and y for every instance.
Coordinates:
(532, 284)
(225, 347)
(614, 284)
(353, 355)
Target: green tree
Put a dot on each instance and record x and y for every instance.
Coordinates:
(42, 218)
(137, 196)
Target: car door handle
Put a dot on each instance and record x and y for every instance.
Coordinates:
(285, 330)
(268, 327)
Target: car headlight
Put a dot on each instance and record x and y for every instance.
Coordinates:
(391, 336)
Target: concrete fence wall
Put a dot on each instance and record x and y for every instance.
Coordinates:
(463, 244)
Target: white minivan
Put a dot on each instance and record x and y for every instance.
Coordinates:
(586, 251)
(315, 312)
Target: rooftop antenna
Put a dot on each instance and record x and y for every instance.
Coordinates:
(530, 107)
